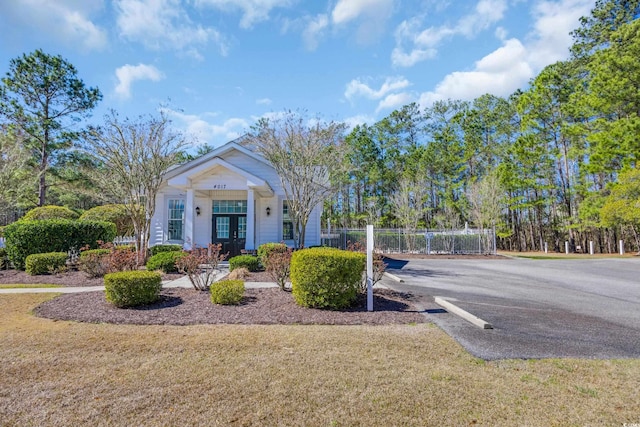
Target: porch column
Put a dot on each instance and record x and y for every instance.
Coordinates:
(188, 220)
(250, 243)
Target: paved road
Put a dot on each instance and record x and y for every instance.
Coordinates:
(539, 308)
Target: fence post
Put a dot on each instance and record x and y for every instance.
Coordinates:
(621, 247)
(546, 247)
(369, 267)
(590, 247)
(566, 247)
(495, 243)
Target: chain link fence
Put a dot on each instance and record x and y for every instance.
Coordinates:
(429, 242)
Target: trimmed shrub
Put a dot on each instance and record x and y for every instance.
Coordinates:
(90, 252)
(132, 288)
(116, 214)
(326, 277)
(155, 250)
(23, 238)
(245, 261)
(165, 261)
(46, 263)
(249, 262)
(49, 212)
(266, 248)
(227, 292)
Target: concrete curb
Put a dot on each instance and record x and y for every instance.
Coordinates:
(464, 314)
(393, 277)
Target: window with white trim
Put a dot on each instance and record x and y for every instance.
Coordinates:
(175, 222)
(287, 223)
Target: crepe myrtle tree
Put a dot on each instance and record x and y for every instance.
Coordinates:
(133, 156)
(308, 156)
(43, 97)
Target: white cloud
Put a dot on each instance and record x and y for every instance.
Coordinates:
(423, 43)
(253, 11)
(394, 101)
(371, 16)
(499, 73)
(553, 23)
(360, 119)
(161, 24)
(127, 74)
(314, 30)
(199, 127)
(65, 20)
(348, 10)
(263, 101)
(513, 64)
(357, 88)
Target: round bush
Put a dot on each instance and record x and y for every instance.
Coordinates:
(46, 263)
(23, 238)
(266, 248)
(132, 288)
(326, 277)
(244, 261)
(49, 212)
(116, 214)
(90, 252)
(155, 250)
(165, 261)
(227, 292)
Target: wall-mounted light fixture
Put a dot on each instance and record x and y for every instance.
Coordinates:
(268, 211)
(198, 210)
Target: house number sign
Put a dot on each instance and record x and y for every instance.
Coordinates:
(219, 186)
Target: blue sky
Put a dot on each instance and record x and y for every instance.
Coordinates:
(220, 65)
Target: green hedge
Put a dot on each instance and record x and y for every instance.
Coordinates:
(23, 238)
(49, 212)
(155, 250)
(132, 288)
(326, 277)
(116, 214)
(46, 263)
(266, 248)
(165, 261)
(227, 292)
(247, 261)
(90, 252)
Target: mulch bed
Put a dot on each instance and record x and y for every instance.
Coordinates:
(265, 306)
(68, 278)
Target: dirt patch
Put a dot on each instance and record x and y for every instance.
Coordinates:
(179, 306)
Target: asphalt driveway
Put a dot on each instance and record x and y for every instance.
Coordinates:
(538, 308)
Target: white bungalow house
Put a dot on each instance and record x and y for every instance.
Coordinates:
(232, 196)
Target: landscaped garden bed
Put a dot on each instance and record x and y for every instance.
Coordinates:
(180, 306)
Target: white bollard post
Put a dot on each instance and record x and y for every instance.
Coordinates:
(546, 248)
(369, 267)
(566, 247)
(621, 247)
(590, 247)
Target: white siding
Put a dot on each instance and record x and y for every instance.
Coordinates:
(255, 167)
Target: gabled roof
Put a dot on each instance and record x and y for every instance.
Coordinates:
(218, 152)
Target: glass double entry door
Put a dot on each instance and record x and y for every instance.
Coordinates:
(231, 231)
